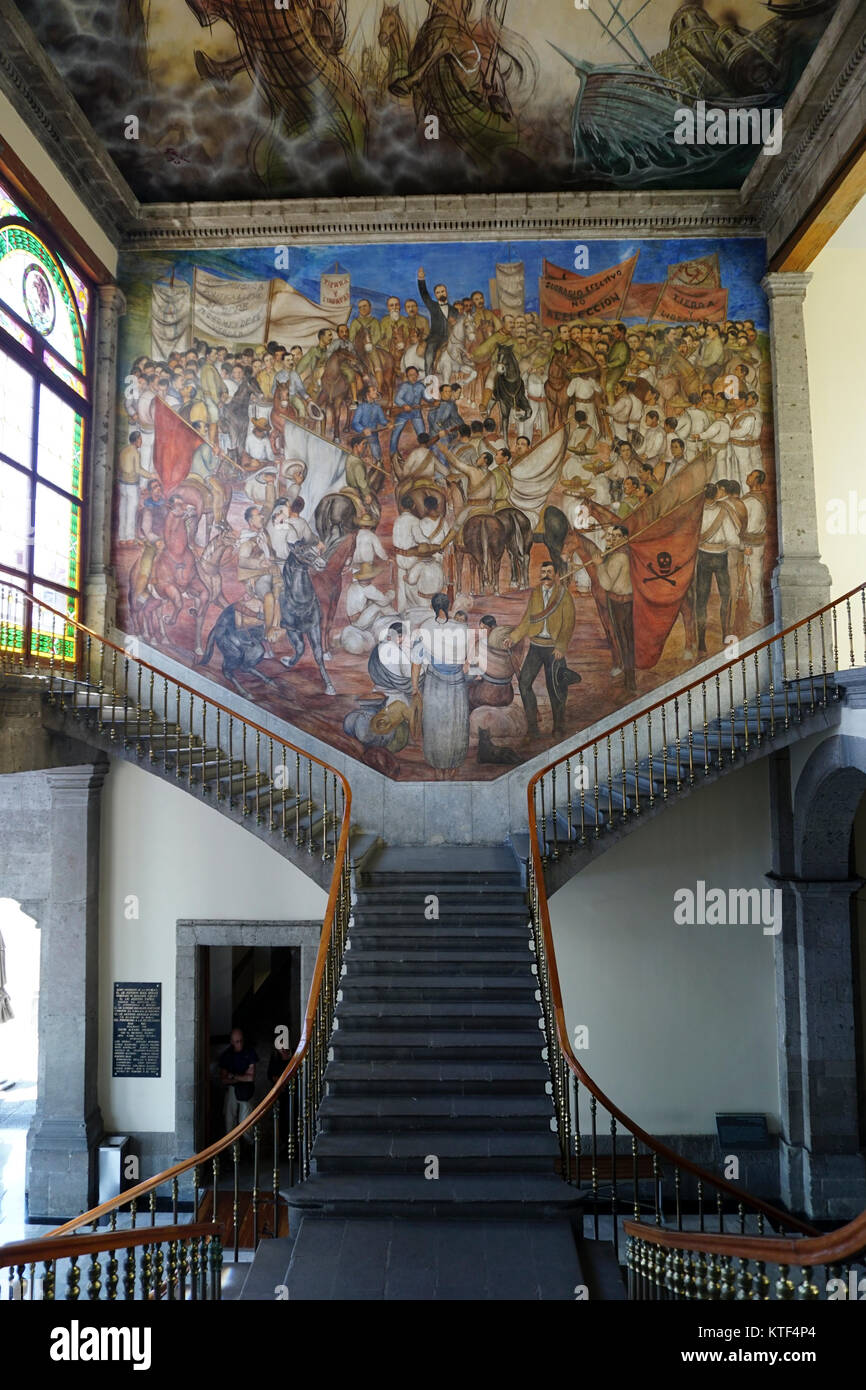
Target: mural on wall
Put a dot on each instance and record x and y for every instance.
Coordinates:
(443, 505)
(217, 99)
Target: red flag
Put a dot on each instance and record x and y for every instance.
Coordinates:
(174, 444)
(703, 272)
(678, 302)
(640, 301)
(663, 544)
(565, 295)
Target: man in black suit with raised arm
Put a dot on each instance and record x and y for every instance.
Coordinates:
(443, 317)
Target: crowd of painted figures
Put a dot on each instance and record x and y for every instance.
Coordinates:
(437, 411)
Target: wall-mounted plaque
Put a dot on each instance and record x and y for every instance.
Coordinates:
(137, 1030)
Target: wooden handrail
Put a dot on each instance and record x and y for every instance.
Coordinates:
(292, 1066)
(820, 1249)
(655, 1145)
(25, 1252)
(692, 685)
(165, 675)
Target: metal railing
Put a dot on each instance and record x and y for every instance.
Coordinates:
(674, 1265)
(128, 704)
(620, 776)
(175, 1263)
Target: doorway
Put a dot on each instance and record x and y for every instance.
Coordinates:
(256, 989)
(19, 1058)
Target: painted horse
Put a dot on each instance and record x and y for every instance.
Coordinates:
(335, 392)
(300, 614)
(174, 577)
(509, 392)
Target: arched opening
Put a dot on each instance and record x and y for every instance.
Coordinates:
(19, 1055)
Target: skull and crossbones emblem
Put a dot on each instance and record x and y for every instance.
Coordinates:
(666, 569)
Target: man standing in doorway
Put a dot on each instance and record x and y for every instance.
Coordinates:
(237, 1066)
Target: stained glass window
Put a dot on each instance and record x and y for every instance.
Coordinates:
(44, 415)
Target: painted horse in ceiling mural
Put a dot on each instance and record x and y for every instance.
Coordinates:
(292, 57)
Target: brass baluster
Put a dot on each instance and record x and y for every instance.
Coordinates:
(677, 1201)
(189, 745)
(204, 782)
(216, 1260)
(570, 811)
(835, 642)
(677, 743)
(275, 1116)
(164, 723)
(652, 791)
(807, 1289)
(151, 719)
(700, 1205)
(634, 1177)
(298, 840)
(664, 755)
(731, 712)
(236, 1161)
(174, 1200)
(138, 712)
(741, 1213)
(578, 1142)
(255, 1186)
(151, 1201)
(745, 706)
(73, 1280)
(706, 729)
(111, 1277)
(785, 683)
(657, 1189)
(183, 1268)
(811, 667)
(636, 768)
(177, 733)
(543, 823)
(691, 737)
(759, 735)
(581, 787)
(760, 1283)
(719, 755)
(553, 812)
(595, 787)
(325, 855)
(623, 774)
(614, 1204)
(218, 744)
(720, 1212)
(593, 1106)
(784, 1288)
(310, 846)
(171, 1288)
(194, 1270)
(270, 783)
(823, 659)
(49, 1281)
(133, 1212)
(797, 674)
(215, 1168)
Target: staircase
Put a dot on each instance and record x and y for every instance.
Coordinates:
(437, 1122)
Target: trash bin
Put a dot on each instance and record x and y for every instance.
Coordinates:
(112, 1154)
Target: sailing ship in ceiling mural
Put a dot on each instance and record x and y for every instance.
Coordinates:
(246, 98)
(443, 506)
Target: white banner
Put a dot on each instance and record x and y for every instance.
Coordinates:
(170, 320)
(335, 294)
(510, 290)
(326, 465)
(296, 320)
(230, 311)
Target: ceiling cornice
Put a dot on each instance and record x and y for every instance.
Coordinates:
(827, 105)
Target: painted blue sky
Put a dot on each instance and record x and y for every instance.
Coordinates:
(378, 270)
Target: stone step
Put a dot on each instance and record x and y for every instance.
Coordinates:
(468, 1196)
(444, 1015)
(372, 1152)
(439, 1045)
(386, 961)
(449, 908)
(388, 989)
(405, 1077)
(342, 1114)
(457, 940)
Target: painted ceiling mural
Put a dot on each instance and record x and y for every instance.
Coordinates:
(443, 505)
(220, 99)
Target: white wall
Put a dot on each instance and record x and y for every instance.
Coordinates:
(181, 859)
(21, 140)
(682, 1019)
(835, 315)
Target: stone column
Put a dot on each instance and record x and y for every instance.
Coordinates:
(801, 582)
(99, 587)
(826, 1168)
(67, 1126)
